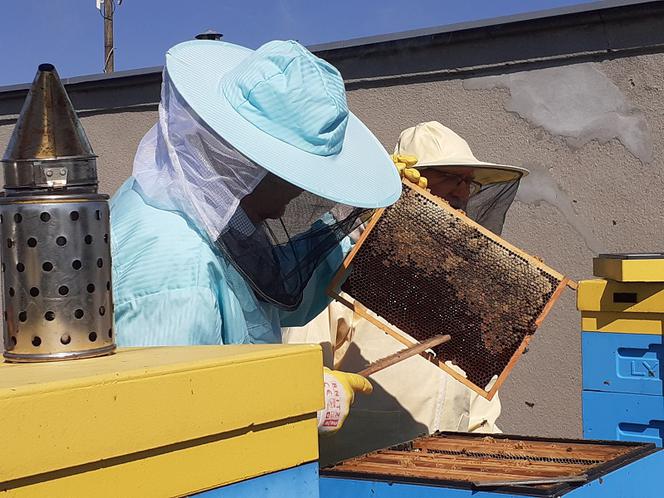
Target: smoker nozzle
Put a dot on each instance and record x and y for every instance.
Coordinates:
(48, 148)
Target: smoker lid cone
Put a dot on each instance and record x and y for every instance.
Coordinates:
(48, 127)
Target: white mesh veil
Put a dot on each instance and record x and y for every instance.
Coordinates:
(183, 166)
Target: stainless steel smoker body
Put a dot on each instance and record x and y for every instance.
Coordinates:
(54, 227)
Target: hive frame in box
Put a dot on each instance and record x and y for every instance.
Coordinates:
(596, 471)
(357, 307)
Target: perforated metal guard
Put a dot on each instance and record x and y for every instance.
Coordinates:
(426, 269)
(469, 459)
(56, 271)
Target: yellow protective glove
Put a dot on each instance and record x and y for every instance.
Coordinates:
(340, 389)
(405, 165)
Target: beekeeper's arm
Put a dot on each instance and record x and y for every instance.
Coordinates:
(340, 387)
(155, 307)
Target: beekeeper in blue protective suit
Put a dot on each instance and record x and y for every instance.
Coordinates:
(241, 202)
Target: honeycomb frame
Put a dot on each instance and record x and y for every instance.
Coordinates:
(411, 267)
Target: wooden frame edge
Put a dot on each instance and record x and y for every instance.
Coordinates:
(552, 300)
(485, 231)
(526, 340)
(361, 310)
(339, 275)
(510, 366)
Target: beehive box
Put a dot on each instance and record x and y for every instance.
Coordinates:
(425, 268)
(622, 342)
(458, 464)
(630, 267)
(166, 421)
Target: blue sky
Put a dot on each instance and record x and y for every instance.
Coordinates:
(68, 33)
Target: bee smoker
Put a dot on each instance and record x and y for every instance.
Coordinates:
(54, 226)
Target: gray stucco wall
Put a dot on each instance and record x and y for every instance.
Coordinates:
(580, 199)
(114, 138)
(591, 132)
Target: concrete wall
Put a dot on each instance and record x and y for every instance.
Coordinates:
(582, 198)
(115, 110)
(114, 137)
(590, 128)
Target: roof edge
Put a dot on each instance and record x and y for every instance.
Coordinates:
(587, 7)
(88, 78)
(339, 46)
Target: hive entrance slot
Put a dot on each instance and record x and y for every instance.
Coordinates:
(625, 297)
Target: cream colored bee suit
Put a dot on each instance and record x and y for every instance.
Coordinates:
(409, 399)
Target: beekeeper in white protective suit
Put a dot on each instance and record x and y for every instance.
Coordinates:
(415, 396)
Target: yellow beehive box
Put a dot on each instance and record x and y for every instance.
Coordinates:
(630, 267)
(621, 307)
(158, 421)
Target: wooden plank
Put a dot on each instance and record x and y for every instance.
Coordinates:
(488, 443)
(475, 475)
(447, 461)
(403, 354)
(531, 448)
(491, 471)
(471, 459)
(532, 482)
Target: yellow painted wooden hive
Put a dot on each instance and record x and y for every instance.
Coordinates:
(158, 421)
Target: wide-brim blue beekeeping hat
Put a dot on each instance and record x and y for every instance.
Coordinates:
(286, 110)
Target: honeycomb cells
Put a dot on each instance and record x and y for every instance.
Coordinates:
(428, 272)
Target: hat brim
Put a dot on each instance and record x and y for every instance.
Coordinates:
(484, 173)
(361, 175)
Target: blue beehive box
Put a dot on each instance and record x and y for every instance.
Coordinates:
(458, 465)
(623, 417)
(623, 363)
(622, 320)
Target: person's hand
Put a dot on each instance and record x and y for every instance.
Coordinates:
(405, 165)
(340, 389)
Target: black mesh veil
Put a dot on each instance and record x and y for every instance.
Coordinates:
(278, 257)
(489, 206)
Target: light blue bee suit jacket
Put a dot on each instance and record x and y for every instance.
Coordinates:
(172, 287)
